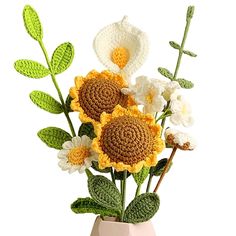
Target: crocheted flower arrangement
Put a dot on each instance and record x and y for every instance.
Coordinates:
(122, 122)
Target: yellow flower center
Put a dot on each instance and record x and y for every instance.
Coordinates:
(77, 155)
(120, 56)
(184, 110)
(149, 97)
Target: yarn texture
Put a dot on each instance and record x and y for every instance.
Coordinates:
(142, 208)
(88, 205)
(104, 192)
(127, 140)
(97, 93)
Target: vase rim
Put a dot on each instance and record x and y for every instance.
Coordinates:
(112, 220)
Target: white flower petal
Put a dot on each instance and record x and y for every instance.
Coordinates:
(73, 168)
(82, 169)
(181, 112)
(67, 145)
(86, 141)
(76, 141)
(62, 154)
(64, 165)
(88, 164)
(121, 34)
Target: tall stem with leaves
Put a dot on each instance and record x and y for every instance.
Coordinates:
(60, 61)
(183, 83)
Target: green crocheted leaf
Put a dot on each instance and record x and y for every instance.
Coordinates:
(88, 205)
(96, 167)
(46, 102)
(142, 208)
(165, 73)
(189, 53)
(31, 69)
(62, 57)
(87, 129)
(68, 102)
(119, 175)
(190, 12)
(32, 23)
(141, 175)
(54, 137)
(174, 45)
(104, 192)
(159, 168)
(185, 83)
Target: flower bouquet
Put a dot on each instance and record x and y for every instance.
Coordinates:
(122, 129)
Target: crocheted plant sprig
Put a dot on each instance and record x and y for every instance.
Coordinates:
(60, 61)
(121, 131)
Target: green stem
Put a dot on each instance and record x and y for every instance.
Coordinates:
(163, 121)
(113, 176)
(150, 180)
(123, 195)
(137, 193)
(163, 115)
(121, 187)
(57, 88)
(188, 21)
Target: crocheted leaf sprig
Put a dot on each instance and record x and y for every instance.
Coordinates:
(60, 61)
(180, 48)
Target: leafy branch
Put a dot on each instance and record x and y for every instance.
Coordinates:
(60, 61)
(165, 72)
(173, 77)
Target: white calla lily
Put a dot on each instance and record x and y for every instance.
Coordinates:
(121, 47)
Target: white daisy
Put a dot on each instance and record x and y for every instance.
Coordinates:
(77, 154)
(181, 111)
(121, 47)
(179, 139)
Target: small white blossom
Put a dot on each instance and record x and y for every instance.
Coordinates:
(77, 154)
(181, 112)
(147, 92)
(170, 89)
(179, 139)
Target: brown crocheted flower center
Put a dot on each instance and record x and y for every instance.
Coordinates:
(100, 95)
(126, 139)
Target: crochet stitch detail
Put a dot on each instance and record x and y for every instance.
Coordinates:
(100, 95)
(127, 139)
(120, 56)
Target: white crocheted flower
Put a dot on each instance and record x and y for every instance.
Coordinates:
(121, 47)
(77, 154)
(170, 89)
(147, 92)
(179, 139)
(181, 112)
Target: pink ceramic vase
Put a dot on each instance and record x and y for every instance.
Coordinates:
(110, 227)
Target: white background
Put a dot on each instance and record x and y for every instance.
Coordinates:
(198, 196)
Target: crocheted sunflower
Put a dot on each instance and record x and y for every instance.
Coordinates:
(127, 140)
(97, 93)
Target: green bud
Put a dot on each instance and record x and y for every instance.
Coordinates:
(190, 12)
